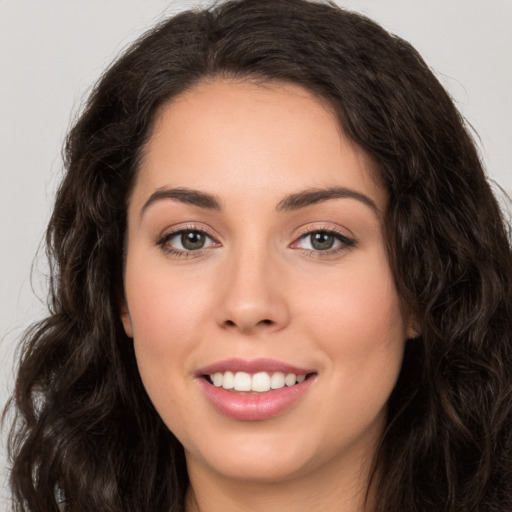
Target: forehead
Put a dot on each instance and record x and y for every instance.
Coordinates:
(244, 140)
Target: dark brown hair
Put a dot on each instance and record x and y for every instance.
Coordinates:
(86, 436)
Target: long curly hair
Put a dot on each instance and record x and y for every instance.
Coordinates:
(85, 434)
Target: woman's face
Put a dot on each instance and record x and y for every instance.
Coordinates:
(256, 259)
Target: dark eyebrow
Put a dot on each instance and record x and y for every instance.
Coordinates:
(314, 195)
(184, 195)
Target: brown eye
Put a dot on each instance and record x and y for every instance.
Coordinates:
(322, 241)
(186, 241)
(193, 240)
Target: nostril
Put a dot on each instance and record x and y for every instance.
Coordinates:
(265, 321)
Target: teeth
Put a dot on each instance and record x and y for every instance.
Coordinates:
(277, 380)
(217, 379)
(243, 381)
(290, 379)
(259, 382)
(228, 380)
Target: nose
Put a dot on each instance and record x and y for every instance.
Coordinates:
(253, 294)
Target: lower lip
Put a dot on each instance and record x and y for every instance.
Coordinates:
(255, 406)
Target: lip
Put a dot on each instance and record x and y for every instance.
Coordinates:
(251, 406)
(252, 366)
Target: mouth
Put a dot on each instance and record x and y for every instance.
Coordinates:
(259, 382)
(255, 390)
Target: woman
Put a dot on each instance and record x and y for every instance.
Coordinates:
(280, 280)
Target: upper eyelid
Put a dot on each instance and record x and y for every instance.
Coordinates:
(304, 231)
(346, 240)
(164, 239)
(166, 233)
(327, 229)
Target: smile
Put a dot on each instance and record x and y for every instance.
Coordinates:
(254, 390)
(260, 382)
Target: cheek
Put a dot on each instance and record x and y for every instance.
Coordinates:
(167, 319)
(359, 322)
(362, 298)
(167, 315)
(165, 312)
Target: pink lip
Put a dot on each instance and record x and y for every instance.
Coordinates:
(250, 406)
(253, 366)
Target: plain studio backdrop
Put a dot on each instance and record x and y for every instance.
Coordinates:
(52, 52)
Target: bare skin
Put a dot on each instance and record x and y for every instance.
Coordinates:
(232, 255)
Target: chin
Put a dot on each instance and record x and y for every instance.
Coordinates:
(264, 457)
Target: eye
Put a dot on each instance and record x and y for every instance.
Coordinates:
(186, 240)
(323, 241)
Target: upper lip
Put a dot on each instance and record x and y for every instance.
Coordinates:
(252, 366)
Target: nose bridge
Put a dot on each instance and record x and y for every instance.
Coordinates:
(252, 297)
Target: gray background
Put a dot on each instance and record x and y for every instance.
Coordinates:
(52, 51)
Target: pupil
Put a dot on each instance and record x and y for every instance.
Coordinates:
(192, 240)
(322, 241)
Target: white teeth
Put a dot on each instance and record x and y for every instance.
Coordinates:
(228, 380)
(277, 380)
(217, 379)
(260, 382)
(290, 379)
(243, 381)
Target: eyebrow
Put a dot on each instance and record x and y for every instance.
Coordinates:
(315, 195)
(290, 203)
(184, 195)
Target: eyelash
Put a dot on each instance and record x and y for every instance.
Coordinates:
(180, 253)
(344, 242)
